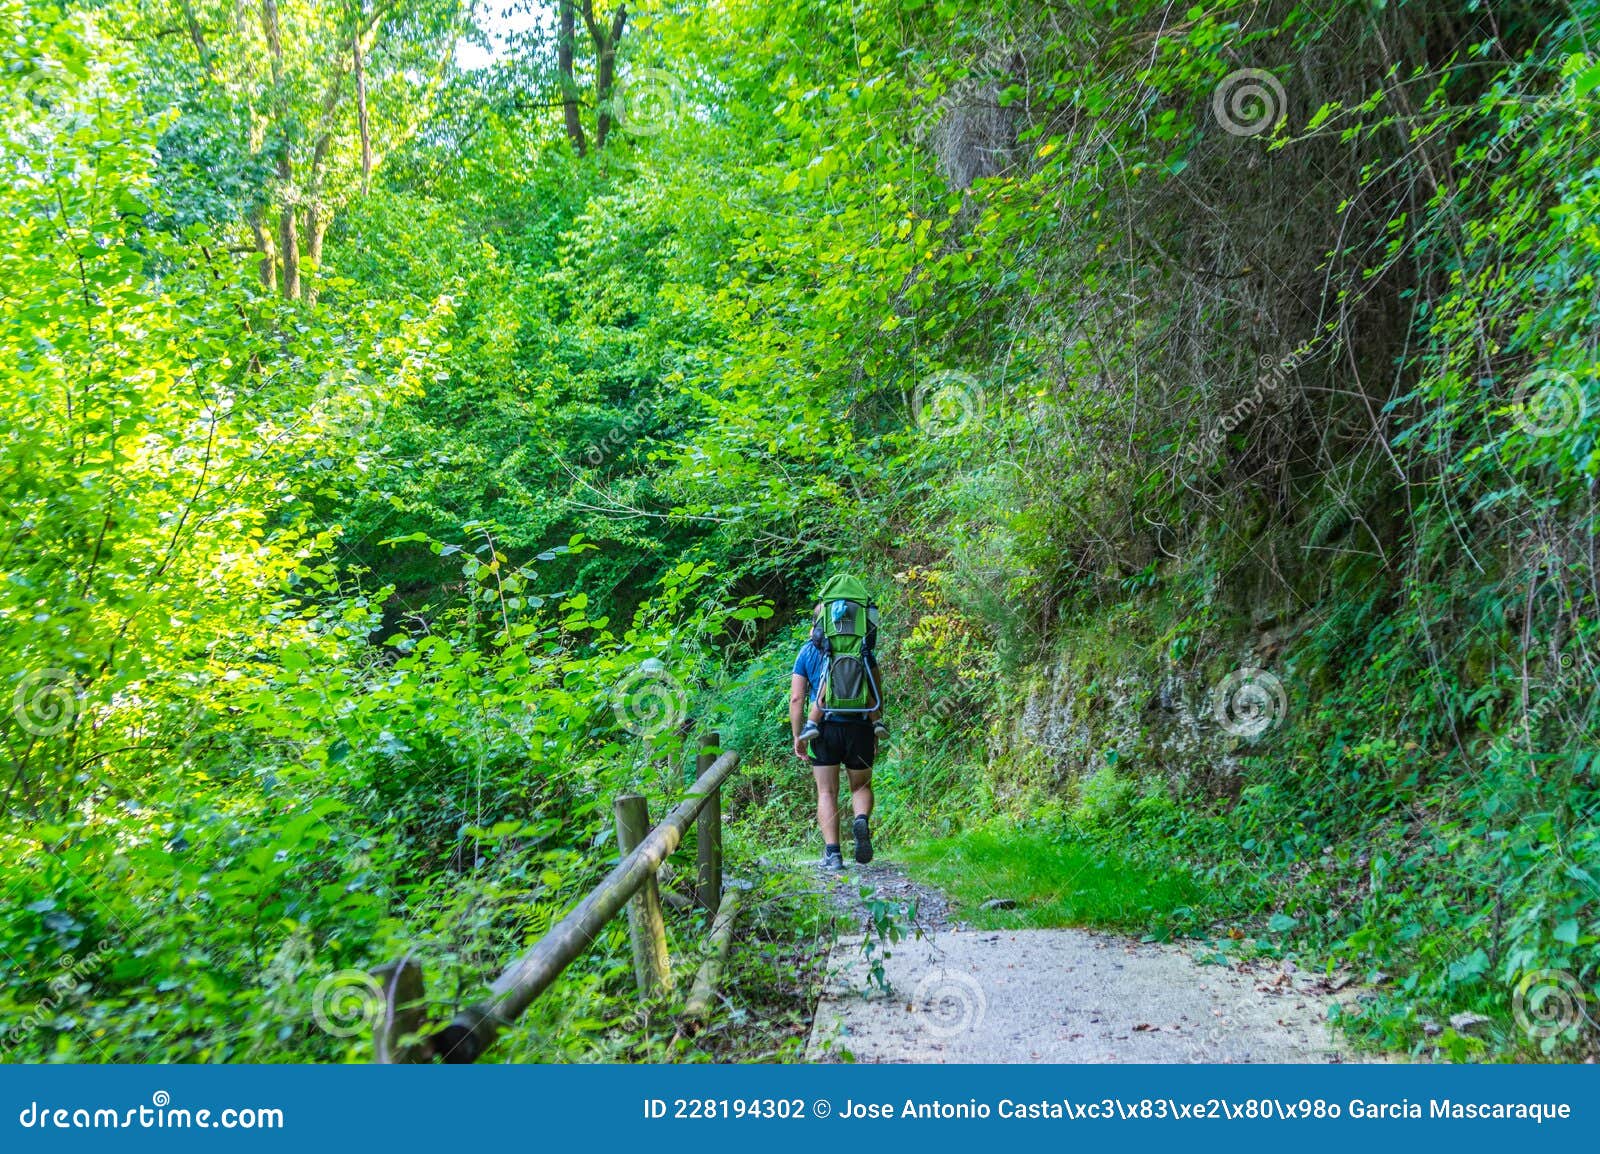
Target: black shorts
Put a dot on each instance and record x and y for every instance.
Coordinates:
(851, 744)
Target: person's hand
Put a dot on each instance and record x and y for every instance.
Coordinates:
(800, 748)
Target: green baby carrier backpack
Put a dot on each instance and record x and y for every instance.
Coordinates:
(844, 626)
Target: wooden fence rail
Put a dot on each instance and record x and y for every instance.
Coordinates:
(474, 1029)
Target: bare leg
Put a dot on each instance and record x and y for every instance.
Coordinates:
(861, 798)
(861, 803)
(827, 778)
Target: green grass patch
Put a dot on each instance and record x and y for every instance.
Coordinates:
(1055, 881)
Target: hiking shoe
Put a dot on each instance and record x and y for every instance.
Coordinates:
(832, 860)
(808, 731)
(863, 840)
(880, 731)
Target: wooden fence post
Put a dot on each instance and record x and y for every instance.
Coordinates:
(646, 926)
(402, 1013)
(708, 833)
(704, 991)
(685, 728)
(474, 1028)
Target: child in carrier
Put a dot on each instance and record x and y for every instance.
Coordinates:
(813, 725)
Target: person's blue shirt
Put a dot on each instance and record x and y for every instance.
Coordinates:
(812, 665)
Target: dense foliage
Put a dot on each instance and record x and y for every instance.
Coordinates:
(395, 453)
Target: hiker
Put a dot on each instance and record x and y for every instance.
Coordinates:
(837, 669)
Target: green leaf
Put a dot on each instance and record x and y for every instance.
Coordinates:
(1470, 967)
(1586, 82)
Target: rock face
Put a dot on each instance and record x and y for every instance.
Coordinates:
(1083, 719)
(971, 130)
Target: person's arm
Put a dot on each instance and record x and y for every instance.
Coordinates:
(818, 704)
(798, 688)
(877, 679)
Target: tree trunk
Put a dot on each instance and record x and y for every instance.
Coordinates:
(319, 214)
(288, 233)
(317, 221)
(361, 117)
(606, 41)
(269, 259)
(197, 37)
(565, 38)
(269, 27)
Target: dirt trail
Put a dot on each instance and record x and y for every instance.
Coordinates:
(963, 995)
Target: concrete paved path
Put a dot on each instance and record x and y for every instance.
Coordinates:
(1064, 996)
